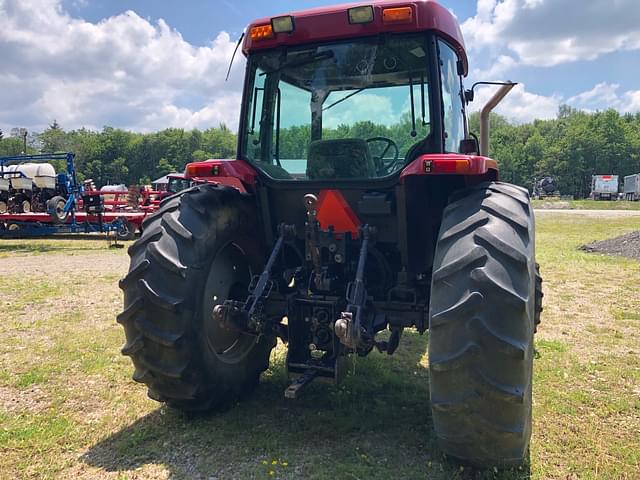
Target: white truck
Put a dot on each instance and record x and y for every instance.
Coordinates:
(631, 187)
(604, 187)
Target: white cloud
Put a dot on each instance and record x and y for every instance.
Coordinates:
(551, 32)
(498, 68)
(605, 95)
(122, 71)
(519, 105)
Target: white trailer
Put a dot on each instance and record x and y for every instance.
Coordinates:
(632, 187)
(604, 187)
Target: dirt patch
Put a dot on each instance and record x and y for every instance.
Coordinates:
(32, 400)
(624, 246)
(88, 264)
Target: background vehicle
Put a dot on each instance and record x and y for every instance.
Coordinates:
(178, 183)
(545, 188)
(358, 203)
(604, 187)
(632, 187)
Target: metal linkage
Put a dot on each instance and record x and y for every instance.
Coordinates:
(348, 327)
(312, 243)
(247, 316)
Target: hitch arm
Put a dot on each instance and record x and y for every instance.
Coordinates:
(245, 314)
(264, 280)
(349, 327)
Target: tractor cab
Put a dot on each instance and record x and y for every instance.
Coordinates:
(361, 107)
(177, 183)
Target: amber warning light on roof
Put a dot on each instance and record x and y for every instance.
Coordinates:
(261, 32)
(397, 15)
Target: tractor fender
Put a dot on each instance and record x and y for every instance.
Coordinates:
(451, 164)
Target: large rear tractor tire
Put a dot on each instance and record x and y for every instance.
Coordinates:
(483, 313)
(199, 249)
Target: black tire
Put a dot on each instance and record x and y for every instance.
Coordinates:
(55, 209)
(199, 245)
(482, 321)
(25, 206)
(127, 231)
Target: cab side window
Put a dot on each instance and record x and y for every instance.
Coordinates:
(452, 98)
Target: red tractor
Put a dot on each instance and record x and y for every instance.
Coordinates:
(358, 203)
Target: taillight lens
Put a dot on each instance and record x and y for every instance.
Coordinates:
(261, 32)
(397, 15)
(442, 166)
(202, 170)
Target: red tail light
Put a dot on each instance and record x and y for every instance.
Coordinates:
(448, 166)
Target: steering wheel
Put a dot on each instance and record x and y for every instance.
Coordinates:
(383, 167)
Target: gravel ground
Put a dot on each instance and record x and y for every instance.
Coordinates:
(93, 263)
(625, 246)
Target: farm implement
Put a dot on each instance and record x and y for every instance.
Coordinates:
(37, 202)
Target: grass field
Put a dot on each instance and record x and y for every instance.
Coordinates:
(586, 205)
(68, 408)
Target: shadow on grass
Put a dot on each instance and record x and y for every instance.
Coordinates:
(375, 425)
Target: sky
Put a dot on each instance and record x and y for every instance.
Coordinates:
(146, 65)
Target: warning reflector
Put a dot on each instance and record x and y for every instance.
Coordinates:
(333, 210)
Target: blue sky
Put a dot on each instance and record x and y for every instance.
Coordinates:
(149, 64)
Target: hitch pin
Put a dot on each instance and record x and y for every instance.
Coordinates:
(302, 381)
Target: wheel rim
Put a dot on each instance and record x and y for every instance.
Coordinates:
(3, 207)
(124, 230)
(60, 209)
(228, 278)
(26, 206)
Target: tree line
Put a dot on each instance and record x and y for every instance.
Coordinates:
(114, 156)
(571, 148)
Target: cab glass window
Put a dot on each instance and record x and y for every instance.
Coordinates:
(346, 110)
(452, 103)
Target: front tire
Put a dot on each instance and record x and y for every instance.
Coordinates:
(482, 319)
(199, 249)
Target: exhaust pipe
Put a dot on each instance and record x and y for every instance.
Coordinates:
(484, 116)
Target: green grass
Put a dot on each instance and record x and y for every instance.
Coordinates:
(69, 408)
(66, 244)
(586, 204)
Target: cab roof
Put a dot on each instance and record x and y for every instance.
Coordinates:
(332, 23)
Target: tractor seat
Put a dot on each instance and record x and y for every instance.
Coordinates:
(342, 158)
(274, 171)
